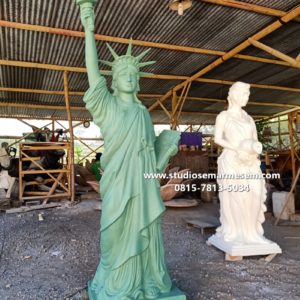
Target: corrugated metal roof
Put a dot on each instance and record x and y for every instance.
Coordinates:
(204, 25)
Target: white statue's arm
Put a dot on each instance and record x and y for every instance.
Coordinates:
(257, 146)
(219, 130)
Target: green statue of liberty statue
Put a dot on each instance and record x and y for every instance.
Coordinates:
(132, 264)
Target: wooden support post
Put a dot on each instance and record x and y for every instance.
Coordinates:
(71, 174)
(174, 113)
(279, 134)
(179, 101)
(292, 148)
(288, 197)
(53, 126)
(182, 100)
(20, 177)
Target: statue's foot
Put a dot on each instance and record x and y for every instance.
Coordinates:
(151, 292)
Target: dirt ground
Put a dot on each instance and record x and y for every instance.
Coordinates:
(54, 258)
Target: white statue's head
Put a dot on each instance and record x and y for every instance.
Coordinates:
(238, 94)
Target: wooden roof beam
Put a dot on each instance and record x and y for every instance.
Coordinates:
(153, 76)
(33, 117)
(261, 34)
(105, 38)
(79, 108)
(250, 7)
(37, 91)
(290, 60)
(84, 119)
(73, 93)
(254, 85)
(254, 103)
(283, 113)
(40, 106)
(190, 113)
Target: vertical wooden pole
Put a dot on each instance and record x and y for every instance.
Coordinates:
(292, 149)
(174, 113)
(53, 125)
(288, 197)
(71, 151)
(279, 134)
(52, 129)
(297, 131)
(20, 174)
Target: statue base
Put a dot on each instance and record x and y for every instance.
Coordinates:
(174, 294)
(240, 250)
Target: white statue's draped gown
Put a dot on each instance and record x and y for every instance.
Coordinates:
(242, 212)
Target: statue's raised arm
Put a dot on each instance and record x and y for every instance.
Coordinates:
(99, 101)
(88, 21)
(107, 108)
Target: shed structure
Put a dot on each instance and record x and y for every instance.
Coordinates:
(199, 55)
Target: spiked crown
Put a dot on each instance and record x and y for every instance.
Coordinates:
(127, 59)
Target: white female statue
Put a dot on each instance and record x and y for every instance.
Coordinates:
(241, 197)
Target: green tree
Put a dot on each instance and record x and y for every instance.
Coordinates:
(78, 150)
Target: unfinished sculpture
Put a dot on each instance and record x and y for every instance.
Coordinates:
(241, 197)
(5, 179)
(132, 262)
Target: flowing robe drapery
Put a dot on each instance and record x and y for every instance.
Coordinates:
(242, 212)
(132, 262)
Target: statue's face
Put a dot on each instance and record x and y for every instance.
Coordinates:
(240, 96)
(244, 97)
(126, 80)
